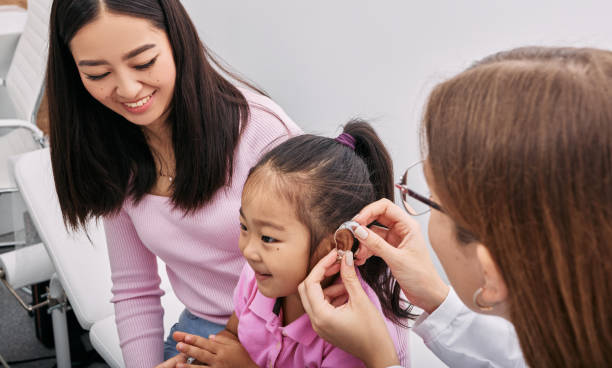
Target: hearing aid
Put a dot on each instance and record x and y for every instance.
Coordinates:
(350, 226)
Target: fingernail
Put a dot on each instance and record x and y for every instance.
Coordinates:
(180, 346)
(348, 258)
(211, 336)
(361, 232)
(181, 365)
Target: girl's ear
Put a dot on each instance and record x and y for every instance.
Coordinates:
(343, 241)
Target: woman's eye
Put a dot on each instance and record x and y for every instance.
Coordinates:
(242, 227)
(97, 77)
(147, 65)
(268, 239)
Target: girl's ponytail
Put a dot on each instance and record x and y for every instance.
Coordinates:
(370, 148)
(372, 151)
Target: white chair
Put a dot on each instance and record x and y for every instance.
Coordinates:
(20, 93)
(81, 265)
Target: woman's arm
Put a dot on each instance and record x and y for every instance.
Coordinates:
(136, 293)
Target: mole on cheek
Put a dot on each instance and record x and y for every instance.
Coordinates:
(277, 249)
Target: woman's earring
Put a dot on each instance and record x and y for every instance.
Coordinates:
(348, 225)
(483, 308)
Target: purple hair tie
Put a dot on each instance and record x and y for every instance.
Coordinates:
(347, 140)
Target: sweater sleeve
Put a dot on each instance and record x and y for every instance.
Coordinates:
(136, 293)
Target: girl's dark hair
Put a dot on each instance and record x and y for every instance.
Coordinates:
(99, 158)
(329, 183)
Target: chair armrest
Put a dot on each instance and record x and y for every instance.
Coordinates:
(39, 136)
(26, 266)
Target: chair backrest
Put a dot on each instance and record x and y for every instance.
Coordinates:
(82, 266)
(26, 75)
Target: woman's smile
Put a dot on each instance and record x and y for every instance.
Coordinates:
(139, 106)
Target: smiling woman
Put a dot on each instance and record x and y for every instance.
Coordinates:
(144, 132)
(137, 84)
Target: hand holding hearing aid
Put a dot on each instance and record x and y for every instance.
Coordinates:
(343, 325)
(403, 248)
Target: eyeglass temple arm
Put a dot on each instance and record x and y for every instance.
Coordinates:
(419, 197)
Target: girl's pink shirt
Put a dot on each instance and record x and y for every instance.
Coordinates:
(200, 250)
(270, 344)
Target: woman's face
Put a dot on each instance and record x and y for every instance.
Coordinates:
(459, 260)
(127, 65)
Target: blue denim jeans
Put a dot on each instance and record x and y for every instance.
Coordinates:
(190, 324)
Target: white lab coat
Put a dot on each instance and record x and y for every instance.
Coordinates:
(462, 338)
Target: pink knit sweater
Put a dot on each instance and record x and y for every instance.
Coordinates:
(200, 251)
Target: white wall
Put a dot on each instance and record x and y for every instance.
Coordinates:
(326, 61)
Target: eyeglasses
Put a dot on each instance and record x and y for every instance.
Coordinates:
(416, 200)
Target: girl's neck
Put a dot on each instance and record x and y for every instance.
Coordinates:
(292, 304)
(292, 308)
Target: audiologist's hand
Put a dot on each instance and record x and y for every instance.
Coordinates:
(357, 326)
(403, 248)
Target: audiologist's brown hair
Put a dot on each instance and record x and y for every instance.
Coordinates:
(520, 152)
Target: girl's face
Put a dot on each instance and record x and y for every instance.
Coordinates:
(274, 242)
(127, 65)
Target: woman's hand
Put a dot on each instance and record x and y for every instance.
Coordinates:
(222, 350)
(403, 248)
(356, 327)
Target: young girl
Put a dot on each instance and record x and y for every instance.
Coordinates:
(293, 201)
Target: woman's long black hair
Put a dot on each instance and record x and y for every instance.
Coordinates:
(99, 158)
(329, 183)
